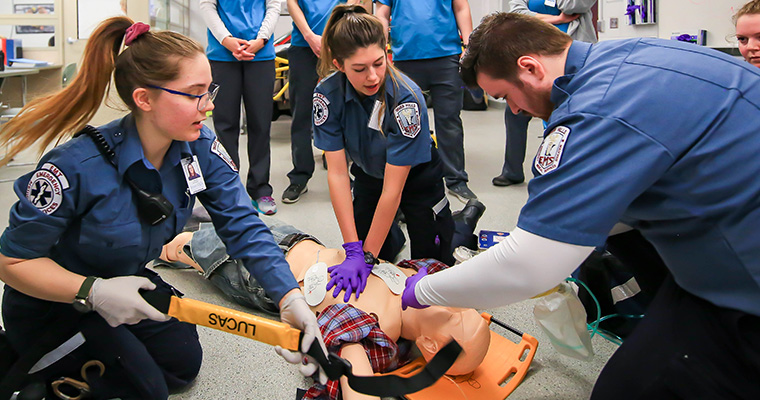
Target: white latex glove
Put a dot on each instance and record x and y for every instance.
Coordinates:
(296, 313)
(118, 302)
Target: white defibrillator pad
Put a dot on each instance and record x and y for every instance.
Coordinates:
(315, 284)
(392, 276)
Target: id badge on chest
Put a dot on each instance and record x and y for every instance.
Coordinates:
(376, 120)
(193, 175)
(550, 3)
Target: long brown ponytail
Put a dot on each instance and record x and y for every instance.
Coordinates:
(153, 58)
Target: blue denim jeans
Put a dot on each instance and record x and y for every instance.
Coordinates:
(231, 276)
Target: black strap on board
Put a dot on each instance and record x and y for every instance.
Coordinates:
(335, 366)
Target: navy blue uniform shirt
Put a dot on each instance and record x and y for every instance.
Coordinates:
(345, 120)
(662, 136)
(77, 209)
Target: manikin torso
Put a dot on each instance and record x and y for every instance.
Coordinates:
(376, 300)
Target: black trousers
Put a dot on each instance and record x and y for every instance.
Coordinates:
(685, 348)
(514, 149)
(303, 79)
(253, 82)
(423, 190)
(441, 77)
(142, 361)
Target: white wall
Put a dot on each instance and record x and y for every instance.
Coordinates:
(673, 17)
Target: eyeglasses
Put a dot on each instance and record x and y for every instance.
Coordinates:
(203, 99)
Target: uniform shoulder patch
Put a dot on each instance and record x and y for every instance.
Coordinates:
(218, 149)
(320, 109)
(550, 152)
(408, 118)
(45, 188)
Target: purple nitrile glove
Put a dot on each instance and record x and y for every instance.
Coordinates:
(408, 299)
(352, 273)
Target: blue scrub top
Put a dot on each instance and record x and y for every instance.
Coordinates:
(341, 120)
(317, 12)
(422, 29)
(662, 136)
(539, 6)
(76, 209)
(243, 19)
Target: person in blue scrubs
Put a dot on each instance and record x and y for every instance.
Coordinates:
(80, 235)
(676, 160)
(576, 12)
(242, 61)
(426, 45)
(309, 19)
(377, 116)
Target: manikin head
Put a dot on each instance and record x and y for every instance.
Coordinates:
(433, 327)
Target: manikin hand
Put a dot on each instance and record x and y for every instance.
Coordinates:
(352, 273)
(295, 312)
(118, 301)
(408, 299)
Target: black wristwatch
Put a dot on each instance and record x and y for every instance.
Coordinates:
(81, 301)
(370, 258)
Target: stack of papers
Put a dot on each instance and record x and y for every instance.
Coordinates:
(26, 63)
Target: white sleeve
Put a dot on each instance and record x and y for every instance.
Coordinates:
(270, 19)
(521, 266)
(575, 6)
(213, 22)
(520, 7)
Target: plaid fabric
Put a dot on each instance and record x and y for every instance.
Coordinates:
(432, 265)
(344, 323)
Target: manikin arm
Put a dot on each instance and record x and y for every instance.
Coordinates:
(357, 356)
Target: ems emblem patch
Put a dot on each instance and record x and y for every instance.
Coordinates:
(45, 189)
(550, 152)
(218, 149)
(320, 111)
(408, 119)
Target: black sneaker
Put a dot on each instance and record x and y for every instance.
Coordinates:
(293, 193)
(462, 192)
(502, 180)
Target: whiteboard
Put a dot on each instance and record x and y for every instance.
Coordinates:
(91, 12)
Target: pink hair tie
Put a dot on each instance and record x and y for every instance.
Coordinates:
(134, 31)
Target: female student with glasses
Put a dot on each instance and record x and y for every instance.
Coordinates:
(78, 238)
